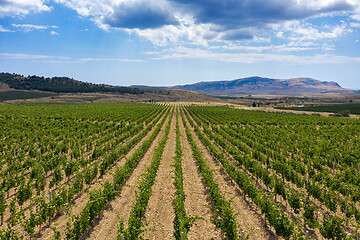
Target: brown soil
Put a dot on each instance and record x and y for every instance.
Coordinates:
(105, 226)
(160, 214)
(196, 202)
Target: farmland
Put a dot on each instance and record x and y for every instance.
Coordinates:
(156, 171)
(353, 108)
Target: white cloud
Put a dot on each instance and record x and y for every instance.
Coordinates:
(90, 7)
(356, 17)
(301, 44)
(203, 54)
(186, 32)
(21, 7)
(53, 33)
(61, 59)
(199, 22)
(267, 48)
(32, 27)
(108, 60)
(355, 25)
(29, 56)
(298, 31)
(315, 34)
(2, 29)
(280, 34)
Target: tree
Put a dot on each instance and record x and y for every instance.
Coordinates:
(345, 113)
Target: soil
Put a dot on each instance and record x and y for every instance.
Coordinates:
(196, 202)
(160, 212)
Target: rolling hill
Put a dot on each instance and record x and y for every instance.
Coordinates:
(15, 87)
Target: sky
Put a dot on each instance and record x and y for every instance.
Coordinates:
(173, 42)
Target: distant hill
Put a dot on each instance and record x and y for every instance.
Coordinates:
(18, 88)
(61, 85)
(265, 86)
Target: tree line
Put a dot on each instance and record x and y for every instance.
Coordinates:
(61, 85)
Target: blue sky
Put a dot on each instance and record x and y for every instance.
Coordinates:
(170, 42)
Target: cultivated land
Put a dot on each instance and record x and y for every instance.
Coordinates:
(176, 171)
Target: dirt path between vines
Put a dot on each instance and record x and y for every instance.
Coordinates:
(79, 203)
(248, 218)
(196, 202)
(106, 225)
(160, 211)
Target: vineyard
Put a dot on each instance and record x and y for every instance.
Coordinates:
(353, 108)
(155, 171)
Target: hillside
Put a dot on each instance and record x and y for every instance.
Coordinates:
(17, 88)
(61, 85)
(259, 85)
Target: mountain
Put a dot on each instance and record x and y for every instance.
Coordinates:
(265, 86)
(60, 85)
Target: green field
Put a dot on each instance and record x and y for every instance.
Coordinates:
(268, 174)
(353, 108)
(13, 95)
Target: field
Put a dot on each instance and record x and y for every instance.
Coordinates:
(11, 95)
(353, 108)
(176, 171)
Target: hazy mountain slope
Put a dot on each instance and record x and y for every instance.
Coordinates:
(258, 85)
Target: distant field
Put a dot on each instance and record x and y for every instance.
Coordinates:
(12, 95)
(354, 108)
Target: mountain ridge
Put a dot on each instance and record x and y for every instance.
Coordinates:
(259, 85)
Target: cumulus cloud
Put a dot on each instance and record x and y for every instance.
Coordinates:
(311, 33)
(298, 31)
(126, 14)
(141, 15)
(185, 31)
(166, 21)
(21, 7)
(243, 13)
